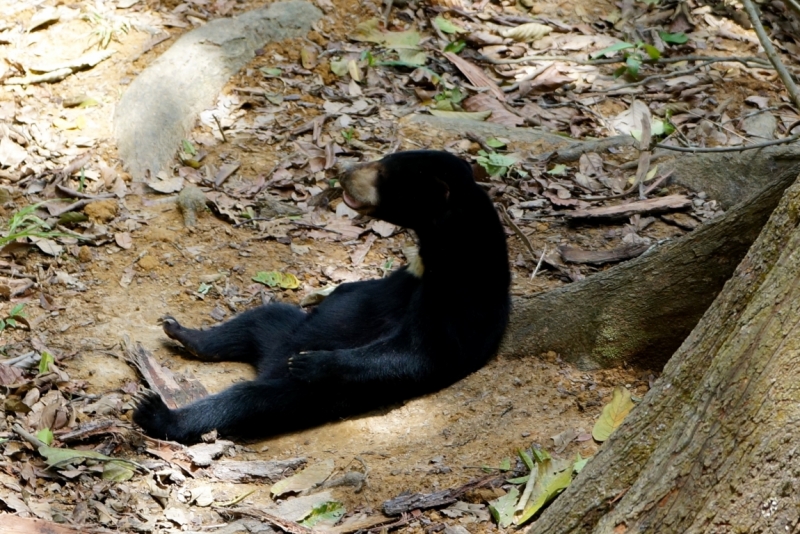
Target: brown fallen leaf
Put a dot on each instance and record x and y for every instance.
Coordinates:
(475, 75)
(487, 102)
(123, 240)
(10, 375)
(550, 79)
(361, 251)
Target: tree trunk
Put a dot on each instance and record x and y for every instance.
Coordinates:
(640, 312)
(712, 448)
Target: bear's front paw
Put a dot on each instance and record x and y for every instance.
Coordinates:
(313, 365)
(155, 418)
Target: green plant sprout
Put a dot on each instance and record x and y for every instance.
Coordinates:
(106, 27)
(637, 53)
(14, 317)
(25, 223)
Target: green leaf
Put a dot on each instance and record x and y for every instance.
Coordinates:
(456, 46)
(188, 147)
(616, 47)
(118, 471)
(496, 164)
(368, 31)
(620, 71)
(541, 455)
(453, 95)
(526, 459)
(89, 102)
(326, 513)
(505, 465)
(45, 363)
(673, 38)
(277, 279)
(11, 322)
(579, 464)
(495, 142)
(204, 288)
(549, 483)
(518, 480)
(271, 72)
(58, 457)
(502, 509)
(613, 414)
(446, 26)
(633, 63)
(339, 67)
(17, 310)
(659, 127)
(558, 170)
(652, 51)
(45, 435)
(411, 57)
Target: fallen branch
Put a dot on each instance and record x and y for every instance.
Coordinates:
(421, 501)
(648, 79)
(740, 148)
(653, 205)
(744, 60)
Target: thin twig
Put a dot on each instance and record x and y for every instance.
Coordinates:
(741, 148)
(219, 127)
(478, 139)
(630, 189)
(744, 60)
(772, 54)
(27, 436)
(522, 237)
(70, 207)
(647, 79)
(77, 194)
(539, 264)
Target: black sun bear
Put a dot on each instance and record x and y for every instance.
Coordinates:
(369, 343)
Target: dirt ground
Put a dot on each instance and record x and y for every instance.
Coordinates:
(427, 444)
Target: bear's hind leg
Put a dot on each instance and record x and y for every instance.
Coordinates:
(251, 337)
(249, 409)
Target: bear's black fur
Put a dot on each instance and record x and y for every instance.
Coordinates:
(369, 343)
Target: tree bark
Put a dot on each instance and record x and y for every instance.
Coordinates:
(639, 312)
(712, 448)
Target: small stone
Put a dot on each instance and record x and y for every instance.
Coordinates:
(101, 211)
(85, 254)
(148, 262)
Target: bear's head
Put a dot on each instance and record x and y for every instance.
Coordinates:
(410, 189)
